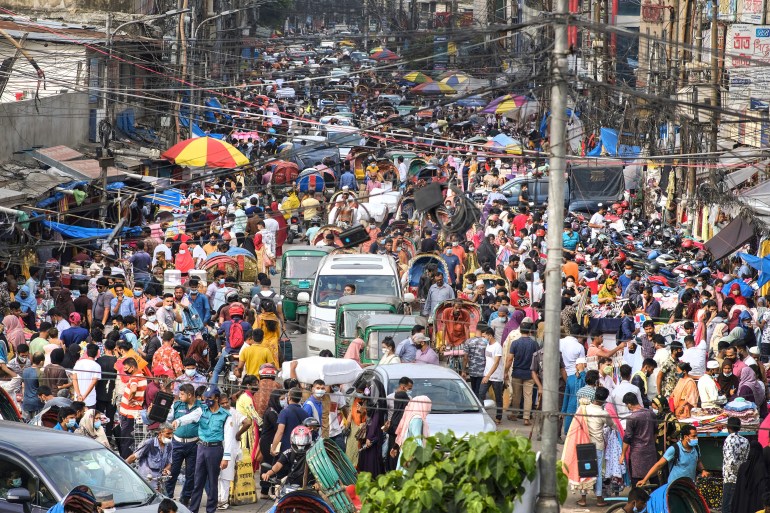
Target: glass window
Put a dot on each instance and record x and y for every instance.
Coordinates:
(350, 319)
(447, 395)
(302, 267)
(102, 471)
(329, 288)
(13, 475)
(374, 344)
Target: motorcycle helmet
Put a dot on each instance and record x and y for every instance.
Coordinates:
(652, 255)
(653, 268)
(311, 423)
(621, 257)
(624, 204)
(301, 438)
(232, 297)
(267, 370)
(236, 309)
(687, 244)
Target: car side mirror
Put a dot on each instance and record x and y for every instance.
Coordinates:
(20, 496)
(506, 193)
(303, 297)
(489, 404)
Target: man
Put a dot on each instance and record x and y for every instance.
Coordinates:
(625, 279)
(707, 388)
(37, 344)
(569, 239)
(453, 265)
(575, 382)
(191, 376)
(58, 320)
(314, 404)
(437, 293)
(67, 420)
(75, 334)
(474, 362)
(121, 304)
(596, 420)
(289, 418)
(650, 305)
(168, 315)
(682, 458)
(17, 365)
(131, 404)
(499, 322)
(638, 439)
(184, 445)
(641, 378)
(406, 350)
(48, 399)
(310, 208)
(86, 374)
(518, 367)
(588, 391)
(645, 339)
(126, 326)
(637, 501)
(200, 303)
(695, 355)
(235, 326)
(141, 261)
(424, 353)
(403, 170)
(621, 389)
(667, 378)
(164, 248)
(348, 179)
(31, 403)
(494, 371)
(105, 388)
(253, 355)
(597, 221)
(168, 357)
(211, 456)
(735, 451)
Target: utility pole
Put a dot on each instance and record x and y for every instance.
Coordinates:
(548, 501)
(716, 103)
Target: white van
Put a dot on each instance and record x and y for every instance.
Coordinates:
(375, 275)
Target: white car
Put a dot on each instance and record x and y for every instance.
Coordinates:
(455, 407)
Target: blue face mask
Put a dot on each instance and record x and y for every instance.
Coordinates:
(210, 402)
(71, 423)
(694, 442)
(97, 424)
(16, 482)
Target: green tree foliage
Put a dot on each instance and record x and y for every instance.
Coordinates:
(479, 474)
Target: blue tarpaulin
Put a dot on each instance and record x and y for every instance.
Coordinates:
(608, 145)
(80, 232)
(69, 186)
(198, 131)
(168, 198)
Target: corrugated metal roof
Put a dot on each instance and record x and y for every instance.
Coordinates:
(72, 162)
(28, 184)
(47, 30)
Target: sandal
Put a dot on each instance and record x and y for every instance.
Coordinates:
(498, 421)
(582, 503)
(512, 417)
(527, 423)
(601, 504)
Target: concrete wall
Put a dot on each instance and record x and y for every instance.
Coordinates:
(61, 119)
(126, 6)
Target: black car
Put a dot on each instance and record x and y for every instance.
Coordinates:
(8, 409)
(50, 463)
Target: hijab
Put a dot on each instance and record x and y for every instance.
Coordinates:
(64, 302)
(184, 260)
(354, 350)
(275, 400)
(30, 303)
(401, 399)
(513, 323)
(14, 331)
(418, 407)
(196, 353)
(739, 299)
(86, 428)
(726, 383)
(749, 379)
(752, 476)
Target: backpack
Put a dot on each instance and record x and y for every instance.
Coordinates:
(673, 462)
(235, 336)
(256, 302)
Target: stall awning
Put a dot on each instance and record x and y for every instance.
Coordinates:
(737, 178)
(80, 232)
(730, 238)
(72, 162)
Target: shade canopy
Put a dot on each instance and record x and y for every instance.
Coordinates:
(205, 152)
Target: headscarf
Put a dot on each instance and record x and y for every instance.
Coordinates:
(739, 299)
(400, 401)
(275, 400)
(196, 353)
(727, 383)
(749, 379)
(258, 244)
(30, 303)
(354, 350)
(64, 302)
(86, 428)
(184, 260)
(752, 476)
(14, 331)
(513, 323)
(418, 407)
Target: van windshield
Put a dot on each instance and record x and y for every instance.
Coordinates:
(329, 288)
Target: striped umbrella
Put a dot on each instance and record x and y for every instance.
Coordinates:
(417, 77)
(506, 103)
(385, 55)
(456, 79)
(433, 88)
(205, 152)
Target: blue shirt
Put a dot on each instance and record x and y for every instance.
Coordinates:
(570, 240)
(406, 351)
(202, 307)
(225, 330)
(181, 409)
(126, 306)
(348, 179)
(686, 465)
(30, 402)
(451, 262)
(309, 408)
(73, 335)
(624, 281)
(523, 350)
(291, 417)
(129, 336)
(211, 426)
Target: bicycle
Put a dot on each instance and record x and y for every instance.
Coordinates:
(455, 358)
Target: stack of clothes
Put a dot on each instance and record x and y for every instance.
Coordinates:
(744, 410)
(707, 420)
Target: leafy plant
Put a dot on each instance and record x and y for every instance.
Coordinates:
(479, 474)
(562, 482)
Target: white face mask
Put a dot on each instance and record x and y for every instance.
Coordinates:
(190, 372)
(319, 393)
(168, 307)
(283, 403)
(165, 440)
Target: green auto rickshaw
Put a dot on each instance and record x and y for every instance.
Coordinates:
(351, 308)
(373, 328)
(298, 268)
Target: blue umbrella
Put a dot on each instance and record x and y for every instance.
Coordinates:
(760, 264)
(504, 140)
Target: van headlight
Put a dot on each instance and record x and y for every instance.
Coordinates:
(315, 325)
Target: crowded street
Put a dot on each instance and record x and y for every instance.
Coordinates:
(274, 258)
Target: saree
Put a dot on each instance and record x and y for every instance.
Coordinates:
(577, 434)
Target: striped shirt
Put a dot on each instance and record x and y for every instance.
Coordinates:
(132, 406)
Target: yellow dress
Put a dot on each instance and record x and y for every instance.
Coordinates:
(271, 337)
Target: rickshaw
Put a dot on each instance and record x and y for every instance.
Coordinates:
(284, 174)
(373, 328)
(247, 264)
(454, 321)
(388, 170)
(351, 308)
(220, 262)
(489, 279)
(359, 157)
(298, 268)
(310, 180)
(321, 235)
(415, 274)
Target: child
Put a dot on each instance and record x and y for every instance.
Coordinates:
(167, 506)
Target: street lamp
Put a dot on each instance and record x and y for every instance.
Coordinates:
(167, 14)
(216, 16)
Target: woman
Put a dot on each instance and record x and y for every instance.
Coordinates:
(14, 331)
(91, 426)
(234, 425)
(513, 326)
(752, 390)
(64, 303)
(356, 422)
(414, 424)
(389, 352)
(184, 261)
(199, 351)
(71, 356)
(370, 450)
(727, 381)
(154, 455)
(267, 431)
(28, 307)
(400, 401)
(265, 260)
(607, 292)
(685, 396)
(269, 323)
(245, 406)
(751, 483)
(735, 293)
(668, 426)
(353, 351)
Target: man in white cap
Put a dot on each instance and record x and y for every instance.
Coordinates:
(707, 388)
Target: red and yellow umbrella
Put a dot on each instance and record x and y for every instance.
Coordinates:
(205, 152)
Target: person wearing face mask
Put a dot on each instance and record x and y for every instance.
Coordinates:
(707, 387)
(190, 375)
(389, 352)
(575, 382)
(211, 457)
(625, 279)
(425, 353)
(130, 404)
(184, 445)
(637, 501)
(682, 458)
(67, 420)
(728, 381)
(667, 377)
(291, 416)
(685, 393)
(236, 425)
(153, 456)
(92, 425)
(276, 403)
(437, 293)
(641, 378)
(453, 264)
(13, 480)
(314, 405)
(638, 451)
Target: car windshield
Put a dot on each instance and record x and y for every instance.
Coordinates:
(329, 288)
(351, 319)
(447, 395)
(302, 267)
(102, 470)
